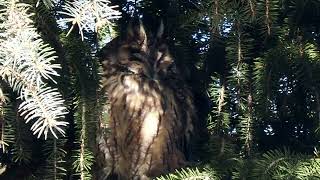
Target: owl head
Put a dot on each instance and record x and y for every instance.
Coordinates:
(139, 53)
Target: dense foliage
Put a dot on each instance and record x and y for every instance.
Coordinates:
(253, 65)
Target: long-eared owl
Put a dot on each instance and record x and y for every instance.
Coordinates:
(151, 108)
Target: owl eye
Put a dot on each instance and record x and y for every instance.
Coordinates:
(138, 56)
(134, 50)
(163, 55)
(163, 48)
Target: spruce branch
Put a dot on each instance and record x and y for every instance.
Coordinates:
(252, 5)
(22, 146)
(6, 135)
(46, 105)
(26, 63)
(218, 94)
(84, 157)
(309, 169)
(54, 167)
(191, 174)
(48, 3)
(89, 15)
(269, 10)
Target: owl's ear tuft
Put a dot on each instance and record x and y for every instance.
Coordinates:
(136, 34)
(160, 30)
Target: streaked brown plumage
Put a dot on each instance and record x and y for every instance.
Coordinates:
(151, 108)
